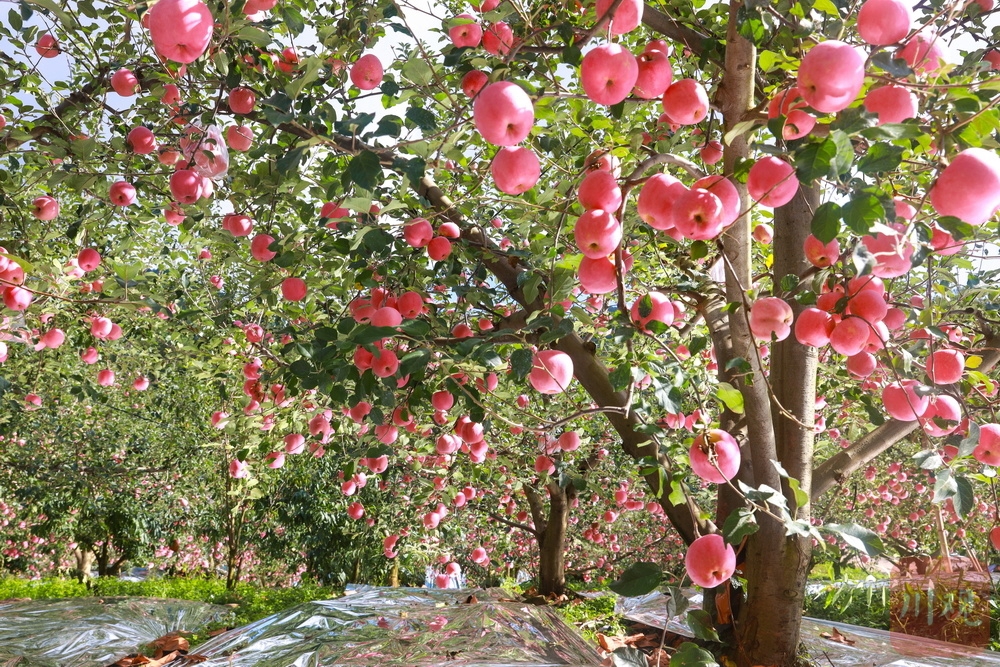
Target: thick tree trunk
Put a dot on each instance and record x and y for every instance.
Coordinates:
(84, 556)
(394, 574)
(552, 544)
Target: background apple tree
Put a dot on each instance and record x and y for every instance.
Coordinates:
(740, 249)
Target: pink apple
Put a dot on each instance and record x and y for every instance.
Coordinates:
(17, 298)
(711, 152)
(498, 38)
(439, 248)
(893, 104)
(239, 137)
(924, 52)
(993, 58)
(861, 365)
(186, 186)
(945, 366)
(903, 402)
(813, 327)
(260, 248)
(47, 46)
(141, 383)
(479, 556)
(660, 309)
(180, 29)
(171, 94)
(242, 100)
(608, 73)
(410, 305)
(237, 225)
(995, 537)
(969, 187)
(142, 140)
(655, 74)
(772, 182)
(467, 33)
(503, 113)
(763, 233)
(88, 259)
(569, 441)
(418, 232)
(599, 189)
(868, 305)
(942, 416)
(125, 82)
(52, 338)
(90, 356)
(122, 193)
(106, 377)
(821, 254)
(656, 200)
(385, 363)
(45, 208)
(626, 17)
(988, 449)
(443, 400)
(884, 22)
(551, 372)
(598, 276)
(515, 169)
(367, 72)
(449, 229)
(850, 336)
(473, 82)
(332, 209)
(831, 75)
(698, 214)
(892, 252)
(386, 316)
(798, 124)
(769, 317)
(597, 233)
(686, 102)
(709, 561)
(715, 456)
(293, 289)
(723, 188)
(785, 101)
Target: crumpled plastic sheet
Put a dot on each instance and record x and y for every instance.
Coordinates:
(393, 626)
(89, 632)
(871, 648)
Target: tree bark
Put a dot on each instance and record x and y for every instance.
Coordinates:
(552, 543)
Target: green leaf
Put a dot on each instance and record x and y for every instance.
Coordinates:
(422, 118)
(826, 221)
(255, 35)
(621, 377)
(700, 622)
(56, 11)
(676, 496)
(531, 287)
(968, 444)
(365, 333)
(292, 18)
(638, 579)
(863, 211)
(813, 160)
(858, 537)
(844, 155)
(418, 71)
(414, 361)
(895, 67)
(957, 228)
(520, 362)
(945, 486)
(290, 161)
(730, 396)
(740, 523)
(692, 655)
(880, 158)
(365, 170)
(965, 498)
(310, 69)
(628, 656)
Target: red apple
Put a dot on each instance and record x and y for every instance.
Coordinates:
(122, 193)
(367, 72)
(17, 298)
(771, 316)
(473, 82)
(287, 61)
(861, 365)
(969, 187)
(142, 140)
(551, 372)
(686, 102)
(709, 561)
(598, 276)
(503, 113)
(47, 46)
(259, 248)
(656, 200)
(798, 124)
(180, 29)
(924, 52)
(763, 233)
(821, 254)
(88, 259)
(831, 75)
(850, 336)
(892, 252)
(945, 366)
(467, 33)
(813, 327)
(52, 339)
(171, 94)
(608, 73)
(626, 17)
(995, 537)
(599, 189)
(241, 100)
(655, 74)
(597, 233)
(942, 416)
(239, 137)
(237, 225)
(988, 449)
(418, 232)
(125, 82)
(438, 248)
(723, 188)
(515, 169)
(45, 208)
(698, 214)
(884, 22)
(498, 38)
(186, 186)
(903, 402)
(772, 182)
(893, 104)
(711, 152)
(106, 377)
(293, 289)
(715, 458)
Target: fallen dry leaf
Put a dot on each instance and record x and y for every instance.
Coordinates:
(171, 642)
(194, 657)
(609, 644)
(837, 636)
(170, 657)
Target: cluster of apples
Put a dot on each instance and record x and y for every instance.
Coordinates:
(419, 233)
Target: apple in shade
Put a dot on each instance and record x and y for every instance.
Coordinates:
(45, 208)
(503, 113)
(772, 182)
(884, 22)
(656, 200)
(686, 102)
(771, 317)
(597, 276)
(124, 82)
(186, 186)
(892, 104)
(763, 233)
(258, 6)
(942, 416)
(171, 94)
(467, 33)
(239, 137)
(180, 29)
(597, 233)
(608, 73)
(903, 402)
(551, 371)
(655, 74)
(709, 561)
(626, 17)
(242, 100)
(47, 46)
(995, 537)
(798, 124)
(831, 75)
(473, 82)
(945, 366)
(988, 449)
(969, 187)
(498, 38)
(599, 189)
(698, 214)
(418, 232)
(367, 72)
(287, 61)
(259, 248)
(715, 456)
(821, 254)
(515, 169)
(3, 122)
(711, 152)
(653, 307)
(861, 365)
(142, 140)
(924, 52)
(993, 58)
(293, 289)
(122, 193)
(88, 259)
